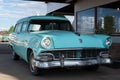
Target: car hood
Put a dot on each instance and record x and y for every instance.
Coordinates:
(66, 39)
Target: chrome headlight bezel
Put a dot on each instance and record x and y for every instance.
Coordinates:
(46, 42)
(108, 42)
(105, 54)
(44, 57)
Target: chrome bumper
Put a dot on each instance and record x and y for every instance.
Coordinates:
(71, 63)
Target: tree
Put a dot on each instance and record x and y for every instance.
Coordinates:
(100, 29)
(11, 29)
(108, 24)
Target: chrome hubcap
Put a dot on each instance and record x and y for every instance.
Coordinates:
(32, 62)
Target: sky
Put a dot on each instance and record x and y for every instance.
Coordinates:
(13, 10)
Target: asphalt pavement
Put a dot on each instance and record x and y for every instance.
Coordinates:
(18, 70)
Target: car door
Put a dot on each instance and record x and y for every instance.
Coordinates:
(23, 40)
(15, 38)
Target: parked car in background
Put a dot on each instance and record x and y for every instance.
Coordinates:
(4, 38)
(50, 42)
(0, 37)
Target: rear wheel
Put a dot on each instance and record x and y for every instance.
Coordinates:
(15, 56)
(33, 69)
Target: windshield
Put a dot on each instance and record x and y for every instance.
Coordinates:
(40, 25)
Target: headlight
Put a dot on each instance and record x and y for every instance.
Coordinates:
(108, 42)
(45, 42)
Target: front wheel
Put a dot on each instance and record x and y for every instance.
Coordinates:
(33, 69)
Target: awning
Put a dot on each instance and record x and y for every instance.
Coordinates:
(67, 10)
(113, 5)
(59, 1)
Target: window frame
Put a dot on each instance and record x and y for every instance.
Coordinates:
(24, 23)
(17, 27)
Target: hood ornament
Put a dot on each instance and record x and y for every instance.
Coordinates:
(80, 40)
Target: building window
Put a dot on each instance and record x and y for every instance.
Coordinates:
(103, 13)
(85, 21)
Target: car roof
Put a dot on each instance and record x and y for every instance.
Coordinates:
(41, 18)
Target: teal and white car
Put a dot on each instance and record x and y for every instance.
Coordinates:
(50, 42)
(5, 38)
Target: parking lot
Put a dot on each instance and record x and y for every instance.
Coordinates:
(18, 70)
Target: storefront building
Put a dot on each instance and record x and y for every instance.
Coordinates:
(92, 16)
(97, 16)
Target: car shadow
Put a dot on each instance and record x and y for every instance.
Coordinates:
(114, 65)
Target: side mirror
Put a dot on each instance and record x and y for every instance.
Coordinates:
(77, 33)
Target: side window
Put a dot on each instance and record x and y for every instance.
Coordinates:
(24, 26)
(18, 28)
(34, 27)
(15, 30)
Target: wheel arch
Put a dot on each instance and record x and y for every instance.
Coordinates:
(10, 45)
(29, 50)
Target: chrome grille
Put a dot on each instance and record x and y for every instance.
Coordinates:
(89, 53)
(76, 54)
(67, 54)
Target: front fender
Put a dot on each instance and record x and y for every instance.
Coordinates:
(34, 44)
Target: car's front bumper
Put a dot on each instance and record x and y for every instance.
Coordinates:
(71, 63)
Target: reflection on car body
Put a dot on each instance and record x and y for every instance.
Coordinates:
(50, 42)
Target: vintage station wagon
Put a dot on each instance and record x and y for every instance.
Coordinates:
(50, 42)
